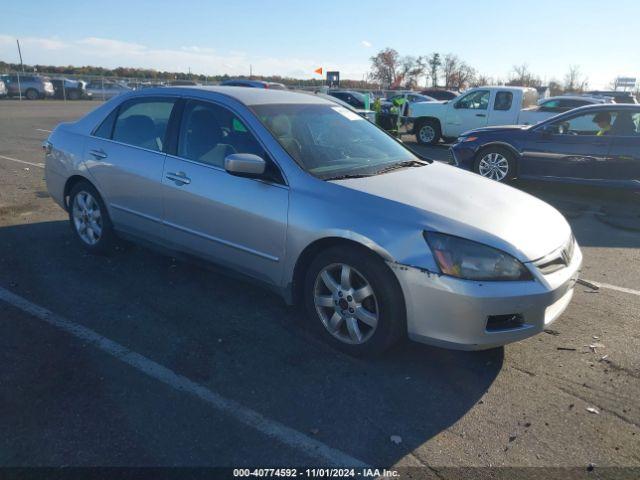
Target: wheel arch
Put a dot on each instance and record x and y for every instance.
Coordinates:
(422, 120)
(295, 294)
(71, 182)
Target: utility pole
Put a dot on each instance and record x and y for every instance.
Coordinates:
(250, 71)
(20, 55)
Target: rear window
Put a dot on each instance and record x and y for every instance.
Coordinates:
(529, 98)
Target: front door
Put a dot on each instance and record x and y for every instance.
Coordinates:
(469, 111)
(235, 221)
(573, 147)
(125, 156)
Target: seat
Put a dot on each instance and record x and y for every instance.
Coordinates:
(138, 130)
(280, 125)
(203, 139)
(624, 125)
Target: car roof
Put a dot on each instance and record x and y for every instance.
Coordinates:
(248, 96)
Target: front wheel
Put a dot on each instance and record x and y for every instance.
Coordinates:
(496, 164)
(32, 94)
(428, 132)
(354, 301)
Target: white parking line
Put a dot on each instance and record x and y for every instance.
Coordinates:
(615, 287)
(44, 130)
(271, 428)
(41, 165)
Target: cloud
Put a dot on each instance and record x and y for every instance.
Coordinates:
(111, 53)
(365, 44)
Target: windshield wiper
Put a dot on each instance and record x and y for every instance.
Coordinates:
(398, 165)
(349, 175)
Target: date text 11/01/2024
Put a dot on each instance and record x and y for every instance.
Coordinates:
(315, 472)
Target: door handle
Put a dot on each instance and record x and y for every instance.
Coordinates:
(179, 177)
(99, 154)
(480, 115)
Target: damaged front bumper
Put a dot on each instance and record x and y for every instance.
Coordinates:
(470, 315)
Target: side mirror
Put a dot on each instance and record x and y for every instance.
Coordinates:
(244, 165)
(547, 131)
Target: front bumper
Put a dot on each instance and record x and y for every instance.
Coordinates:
(453, 313)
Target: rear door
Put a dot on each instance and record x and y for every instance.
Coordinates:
(125, 155)
(235, 221)
(569, 148)
(469, 111)
(624, 156)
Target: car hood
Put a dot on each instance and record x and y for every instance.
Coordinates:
(446, 199)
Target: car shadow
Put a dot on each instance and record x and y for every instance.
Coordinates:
(241, 341)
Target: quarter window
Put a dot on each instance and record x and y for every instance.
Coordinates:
(143, 123)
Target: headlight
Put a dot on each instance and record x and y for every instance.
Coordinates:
(469, 260)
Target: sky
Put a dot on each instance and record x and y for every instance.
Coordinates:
(293, 38)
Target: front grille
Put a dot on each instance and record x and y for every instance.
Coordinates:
(560, 261)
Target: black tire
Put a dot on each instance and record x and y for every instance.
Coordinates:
(431, 126)
(504, 152)
(74, 95)
(32, 94)
(107, 241)
(391, 325)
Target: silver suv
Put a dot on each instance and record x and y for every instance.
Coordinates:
(32, 87)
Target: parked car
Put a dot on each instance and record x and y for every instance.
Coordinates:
(70, 89)
(478, 107)
(29, 86)
(617, 95)
(355, 99)
(321, 206)
(368, 114)
(3, 89)
(104, 90)
(253, 84)
(570, 147)
(439, 94)
(564, 103)
(183, 83)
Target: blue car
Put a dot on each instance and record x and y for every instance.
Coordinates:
(595, 145)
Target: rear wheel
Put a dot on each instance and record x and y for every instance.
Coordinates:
(90, 220)
(74, 95)
(354, 301)
(428, 132)
(32, 94)
(496, 164)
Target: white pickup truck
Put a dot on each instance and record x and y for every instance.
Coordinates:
(477, 107)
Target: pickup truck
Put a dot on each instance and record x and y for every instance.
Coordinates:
(477, 107)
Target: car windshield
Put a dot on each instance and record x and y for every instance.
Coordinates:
(330, 141)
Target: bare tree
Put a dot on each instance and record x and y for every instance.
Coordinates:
(521, 76)
(434, 62)
(385, 67)
(574, 81)
(457, 74)
(482, 80)
(555, 88)
(411, 69)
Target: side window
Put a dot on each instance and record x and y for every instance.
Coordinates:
(503, 101)
(210, 132)
(478, 100)
(143, 123)
(598, 124)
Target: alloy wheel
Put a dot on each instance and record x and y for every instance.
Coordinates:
(87, 218)
(346, 303)
(494, 166)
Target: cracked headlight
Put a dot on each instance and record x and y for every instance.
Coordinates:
(470, 260)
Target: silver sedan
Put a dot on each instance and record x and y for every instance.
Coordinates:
(321, 206)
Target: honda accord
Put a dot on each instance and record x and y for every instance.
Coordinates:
(321, 206)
